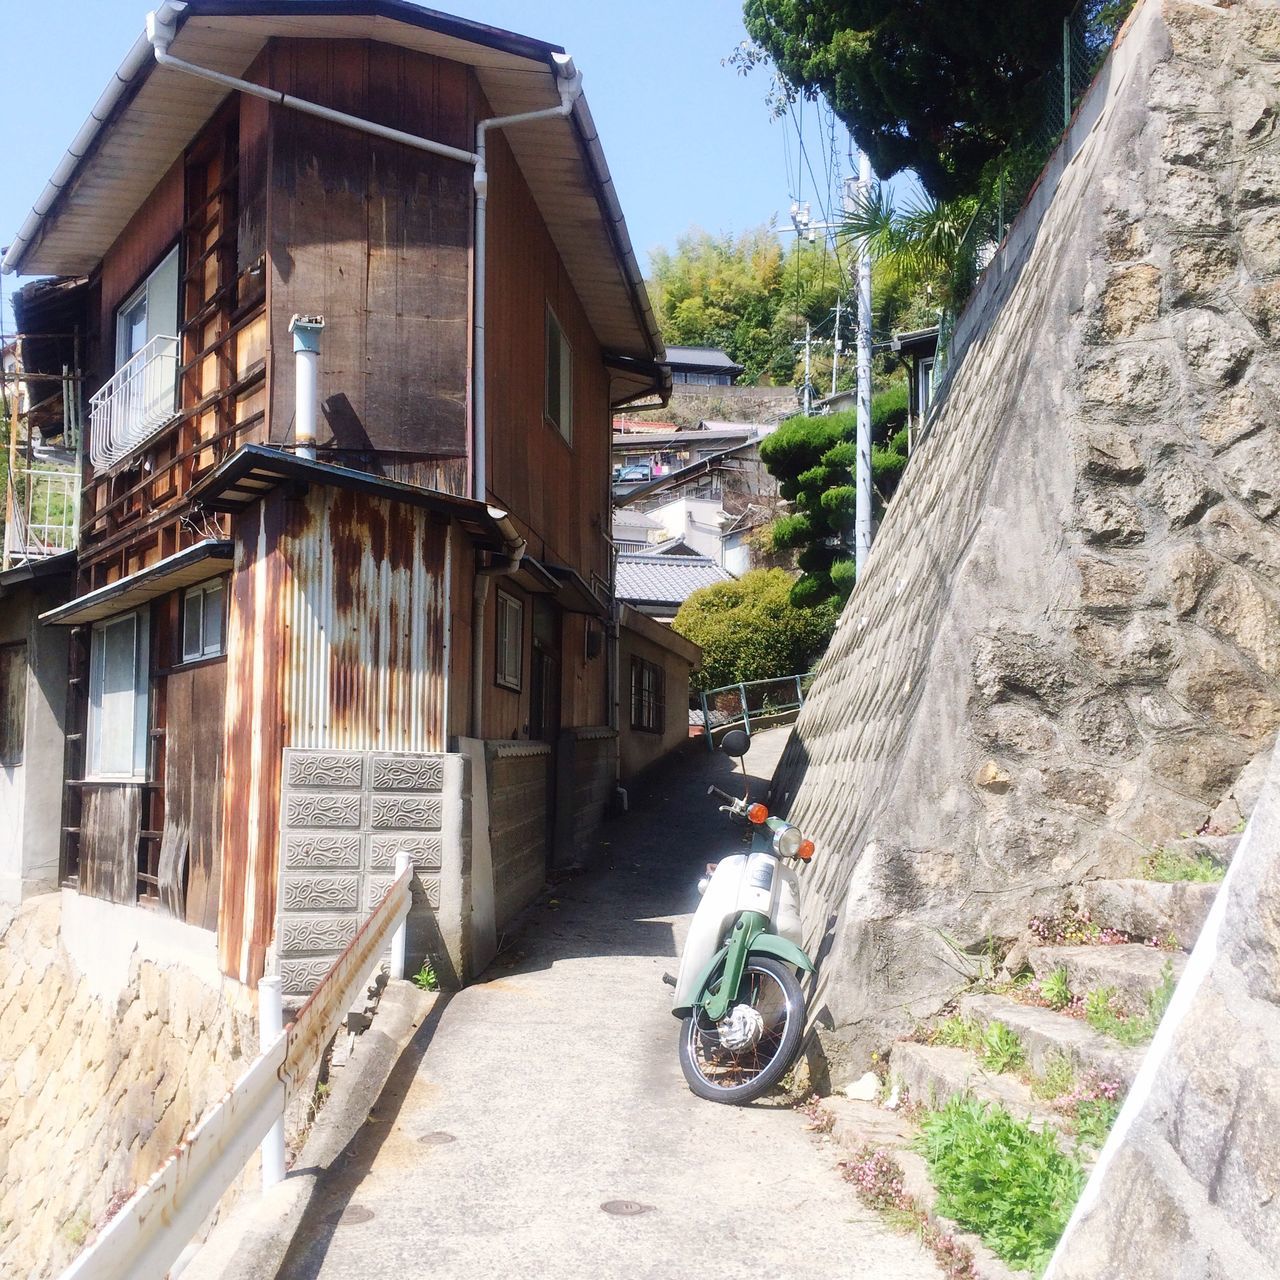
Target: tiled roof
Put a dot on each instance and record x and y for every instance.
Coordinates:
(701, 358)
(644, 578)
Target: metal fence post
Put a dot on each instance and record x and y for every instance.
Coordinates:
(400, 937)
(270, 1025)
(1066, 72)
(706, 720)
(746, 711)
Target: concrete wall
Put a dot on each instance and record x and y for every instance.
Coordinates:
(519, 775)
(1194, 1149)
(1064, 645)
(642, 637)
(31, 793)
(586, 776)
(116, 1032)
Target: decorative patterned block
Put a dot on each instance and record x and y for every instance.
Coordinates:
(405, 813)
(321, 893)
(430, 887)
(317, 809)
(308, 851)
(300, 934)
(300, 976)
(408, 773)
(324, 769)
(426, 851)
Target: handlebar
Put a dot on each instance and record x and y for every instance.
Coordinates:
(724, 795)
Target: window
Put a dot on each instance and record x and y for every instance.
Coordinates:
(509, 648)
(150, 312)
(925, 376)
(558, 407)
(202, 622)
(648, 696)
(13, 703)
(118, 689)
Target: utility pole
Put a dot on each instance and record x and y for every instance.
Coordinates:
(808, 384)
(862, 475)
(835, 348)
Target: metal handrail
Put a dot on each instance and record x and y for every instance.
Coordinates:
(745, 718)
(149, 1233)
(134, 403)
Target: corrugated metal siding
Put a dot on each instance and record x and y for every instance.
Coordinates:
(365, 636)
(335, 639)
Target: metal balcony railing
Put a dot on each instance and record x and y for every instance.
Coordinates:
(136, 403)
(43, 513)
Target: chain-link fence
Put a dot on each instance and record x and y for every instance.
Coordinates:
(1088, 33)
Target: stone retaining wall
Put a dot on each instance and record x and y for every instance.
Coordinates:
(106, 1058)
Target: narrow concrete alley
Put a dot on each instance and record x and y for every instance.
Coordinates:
(535, 1098)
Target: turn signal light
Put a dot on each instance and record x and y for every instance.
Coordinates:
(805, 851)
(757, 814)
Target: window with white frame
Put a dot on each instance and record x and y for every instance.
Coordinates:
(118, 697)
(558, 406)
(203, 625)
(509, 647)
(151, 311)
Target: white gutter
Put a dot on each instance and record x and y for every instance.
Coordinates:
(306, 332)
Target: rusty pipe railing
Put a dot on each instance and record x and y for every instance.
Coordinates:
(146, 1237)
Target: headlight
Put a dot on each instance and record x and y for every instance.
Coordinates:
(786, 843)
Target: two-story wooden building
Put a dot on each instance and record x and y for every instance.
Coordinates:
(360, 302)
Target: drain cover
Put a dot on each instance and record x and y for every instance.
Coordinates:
(436, 1139)
(626, 1208)
(352, 1214)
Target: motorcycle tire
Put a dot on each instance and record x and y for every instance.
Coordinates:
(721, 1075)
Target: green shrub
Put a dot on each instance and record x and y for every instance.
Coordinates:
(751, 630)
(997, 1176)
(1170, 866)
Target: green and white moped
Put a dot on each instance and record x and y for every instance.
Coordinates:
(737, 993)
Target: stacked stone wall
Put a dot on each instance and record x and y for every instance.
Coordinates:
(1067, 640)
(103, 1068)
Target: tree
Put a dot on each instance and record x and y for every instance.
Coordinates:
(750, 629)
(746, 295)
(813, 460)
(928, 85)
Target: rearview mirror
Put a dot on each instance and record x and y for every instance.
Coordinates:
(736, 743)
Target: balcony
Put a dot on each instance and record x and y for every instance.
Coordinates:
(42, 510)
(135, 404)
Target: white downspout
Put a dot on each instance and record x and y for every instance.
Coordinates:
(570, 84)
(306, 332)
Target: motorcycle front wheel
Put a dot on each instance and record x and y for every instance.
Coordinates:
(749, 1051)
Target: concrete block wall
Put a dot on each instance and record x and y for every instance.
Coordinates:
(519, 777)
(586, 778)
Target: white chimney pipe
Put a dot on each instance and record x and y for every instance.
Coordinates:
(306, 332)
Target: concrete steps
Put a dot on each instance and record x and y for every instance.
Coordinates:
(933, 1074)
(1220, 848)
(1149, 908)
(1134, 971)
(1045, 1033)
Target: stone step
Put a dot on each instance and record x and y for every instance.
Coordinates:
(1133, 970)
(1149, 908)
(933, 1074)
(856, 1126)
(1045, 1033)
(1220, 848)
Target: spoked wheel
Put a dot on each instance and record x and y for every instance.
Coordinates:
(749, 1050)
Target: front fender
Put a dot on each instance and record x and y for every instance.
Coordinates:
(765, 944)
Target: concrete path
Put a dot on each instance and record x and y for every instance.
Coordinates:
(551, 1088)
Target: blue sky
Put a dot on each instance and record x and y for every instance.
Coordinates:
(690, 142)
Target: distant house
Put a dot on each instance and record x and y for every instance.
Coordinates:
(648, 454)
(919, 350)
(655, 666)
(635, 531)
(657, 585)
(702, 367)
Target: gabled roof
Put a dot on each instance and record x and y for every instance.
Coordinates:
(644, 578)
(704, 359)
(148, 114)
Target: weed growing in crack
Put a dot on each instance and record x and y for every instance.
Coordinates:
(1001, 1049)
(1055, 990)
(1105, 1013)
(1171, 866)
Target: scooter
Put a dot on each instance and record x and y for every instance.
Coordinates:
(737, 995)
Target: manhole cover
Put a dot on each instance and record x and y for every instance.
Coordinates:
(437, 1139)
(626, 1208)
(352, 1214)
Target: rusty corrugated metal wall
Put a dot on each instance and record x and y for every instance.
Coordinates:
(336, 640)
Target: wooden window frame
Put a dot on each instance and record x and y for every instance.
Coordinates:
(13, 745)
(648, 704)
(556, 341)
(502, 676)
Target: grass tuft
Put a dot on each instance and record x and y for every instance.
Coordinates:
(1171, 866)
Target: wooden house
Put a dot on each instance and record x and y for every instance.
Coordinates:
(359, 303)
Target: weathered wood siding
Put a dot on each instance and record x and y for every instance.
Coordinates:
(336, 640)
(111, 823)
(518, 774)
(377, 238)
